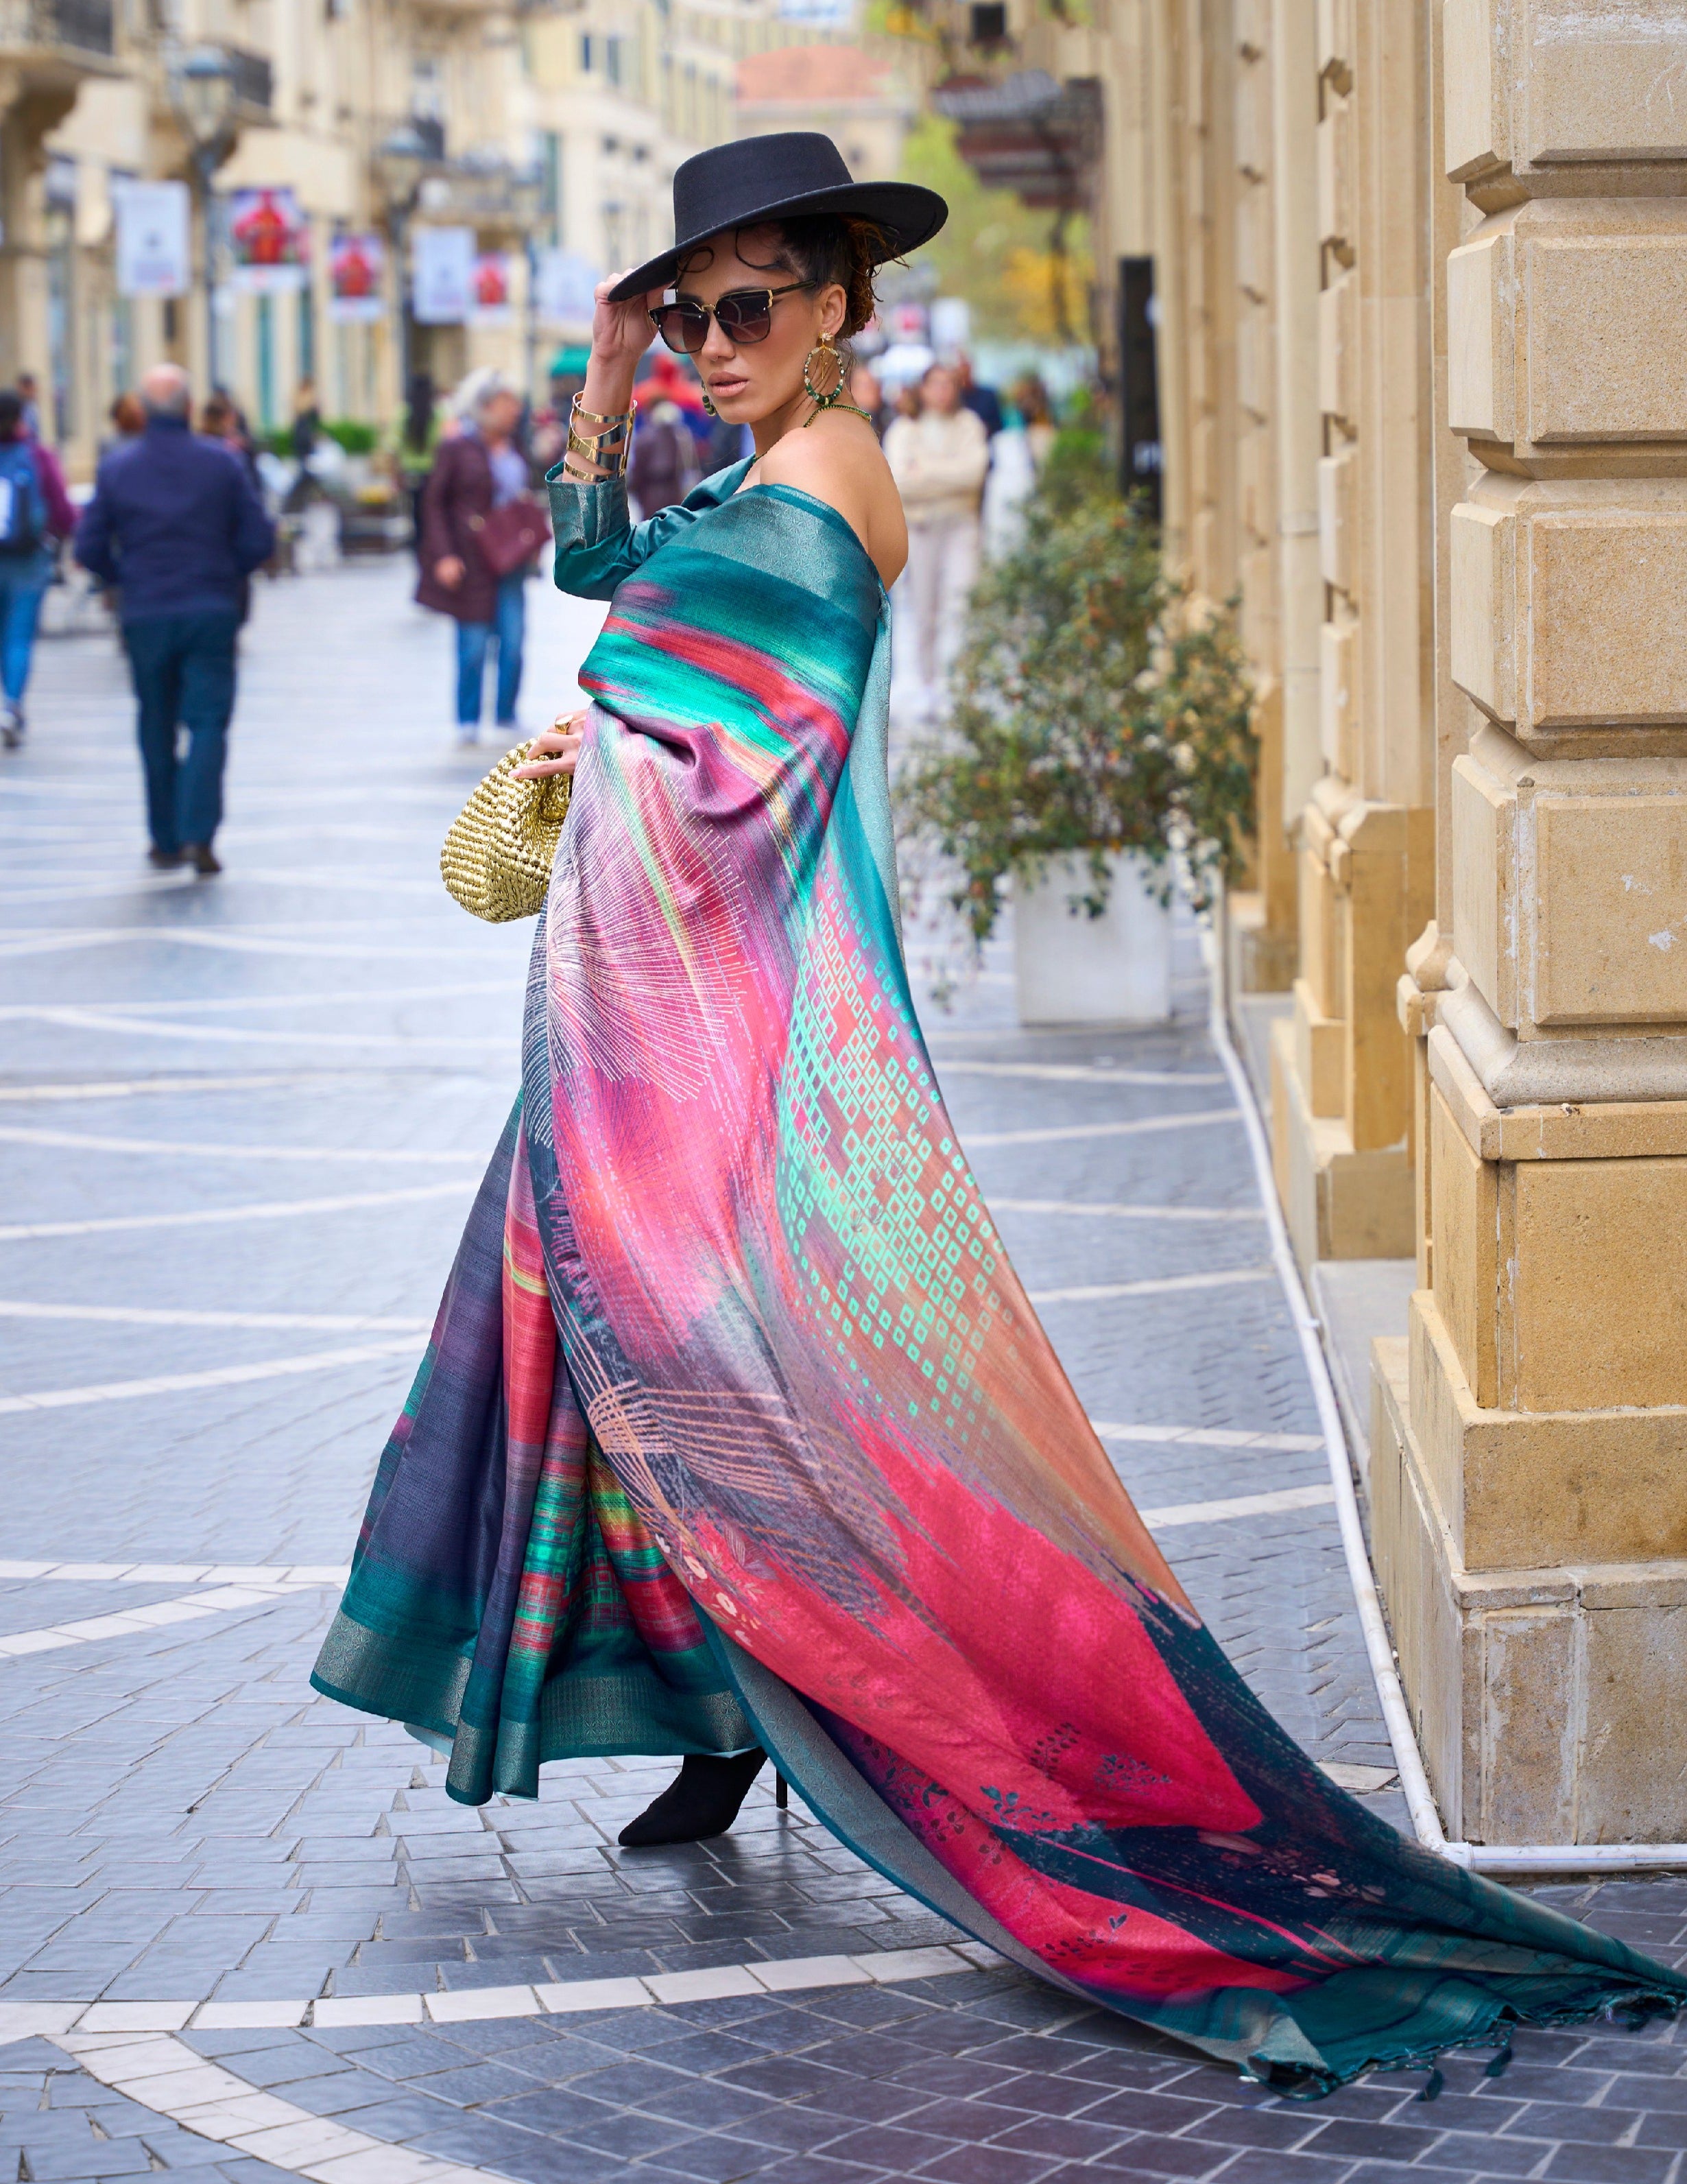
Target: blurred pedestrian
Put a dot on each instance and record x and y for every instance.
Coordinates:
(29, 393)
(939, 459)
(35, 515)
(663, 464)
(416, 447)
(1030, 398)
(983, 402)
(476, 472)
(727, 443)
(220, 420)
(1016, 456)
(868, 397)
(307, 420)
(174, 521)
(128, 420)
(242, 426)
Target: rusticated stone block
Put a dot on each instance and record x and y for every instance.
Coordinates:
(1254, 365)
(1337, 485)
(1518, 1489)
(1339, 695)
(1339, 347)
(1569, 610)
(1320, 1050)
(1462, 1218)
(1486, 910)
(1561, 327)
(1542, 83)
(1335, 174)
(1476, 108)
(1610, 909)
(1603, 82)
(1592, 1308)
(1544, 1698)
(1570, 887)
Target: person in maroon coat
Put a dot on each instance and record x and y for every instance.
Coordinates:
(480, 469)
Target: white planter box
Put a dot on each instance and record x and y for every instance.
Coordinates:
(1112, 969)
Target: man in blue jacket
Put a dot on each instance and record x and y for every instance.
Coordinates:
(175, 524)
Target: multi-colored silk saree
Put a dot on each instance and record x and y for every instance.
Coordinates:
(736, 1426)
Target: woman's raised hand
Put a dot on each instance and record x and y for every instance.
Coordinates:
(557, 750)
(621, 333)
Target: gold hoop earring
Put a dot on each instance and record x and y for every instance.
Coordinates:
(824, 347)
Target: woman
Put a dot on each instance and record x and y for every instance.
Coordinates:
(35, 515)
(737, 1433)
(1030, 400)
(938, 459)
(480, 468)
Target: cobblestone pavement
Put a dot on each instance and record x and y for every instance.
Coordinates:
(240, 1123)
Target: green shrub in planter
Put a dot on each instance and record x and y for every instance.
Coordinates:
(355, 436)
(1095, 710)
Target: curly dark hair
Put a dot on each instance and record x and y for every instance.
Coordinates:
(820, 247)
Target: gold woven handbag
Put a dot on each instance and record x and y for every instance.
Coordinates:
(496, 859)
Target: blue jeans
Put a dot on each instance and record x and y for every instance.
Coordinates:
(183, 670)
(472, 639)
(23, 584)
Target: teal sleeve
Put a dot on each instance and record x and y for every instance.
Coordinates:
(597, 543)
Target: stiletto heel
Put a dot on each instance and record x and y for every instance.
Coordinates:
(782, 1791)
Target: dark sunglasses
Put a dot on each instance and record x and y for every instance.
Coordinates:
(745, 317)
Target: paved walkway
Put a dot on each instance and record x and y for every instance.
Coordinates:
(240, 1123)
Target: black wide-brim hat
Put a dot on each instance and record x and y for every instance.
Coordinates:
(786, 176)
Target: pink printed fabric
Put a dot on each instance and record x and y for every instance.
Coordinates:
(736, 1423)
(799, 1344)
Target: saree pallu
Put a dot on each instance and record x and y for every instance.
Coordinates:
(736, 1425)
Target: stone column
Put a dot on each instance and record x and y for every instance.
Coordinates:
(1259, 921)
(30, 107)
(1341, 1065)
(1210, 190)
(1529, 1464)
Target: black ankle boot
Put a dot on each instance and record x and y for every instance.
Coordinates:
(702, 1801)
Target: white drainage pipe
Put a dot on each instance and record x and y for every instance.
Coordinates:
(1484, 1857)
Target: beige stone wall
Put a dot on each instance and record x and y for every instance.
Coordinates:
(1341, 1069)
(1421, 267)
(1227, 169)
(501, 80)
(1530, 1464)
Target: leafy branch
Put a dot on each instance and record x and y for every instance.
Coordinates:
(1097, 710)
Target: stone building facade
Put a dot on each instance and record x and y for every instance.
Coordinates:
(1432, 253)
(549, 125)
(1420, 268)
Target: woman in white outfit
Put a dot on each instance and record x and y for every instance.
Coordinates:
(939, 459)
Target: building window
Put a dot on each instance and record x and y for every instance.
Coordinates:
(612, 59)
(586, 52)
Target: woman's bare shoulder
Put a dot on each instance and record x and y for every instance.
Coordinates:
(835, 458)
(839, 460)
